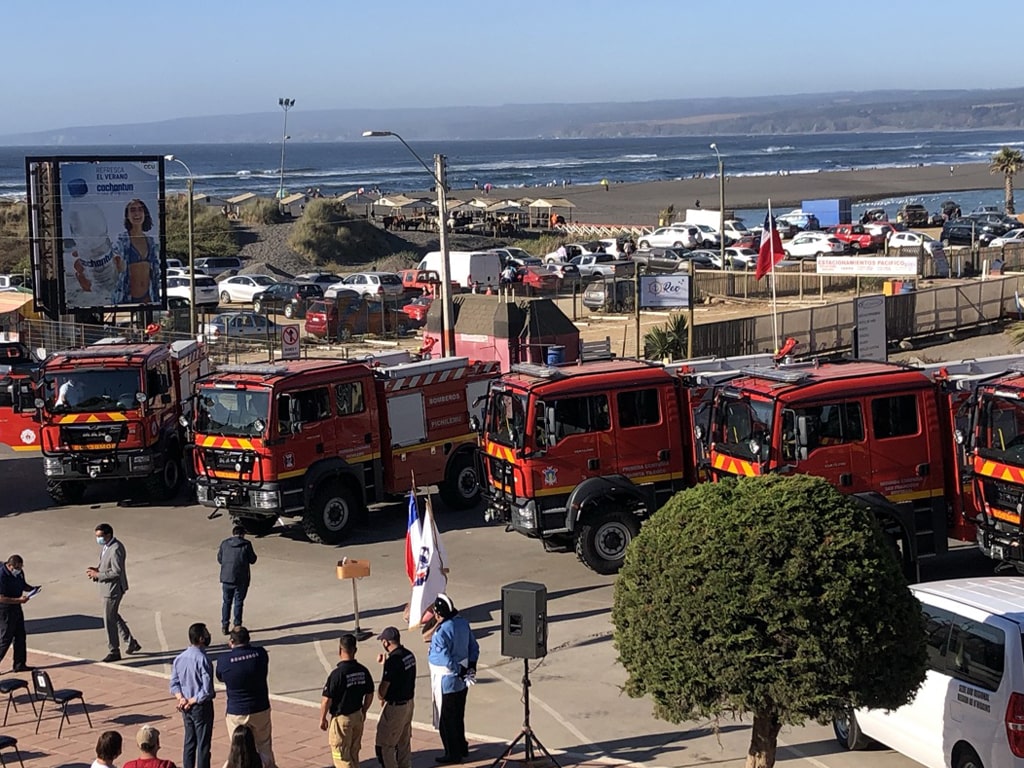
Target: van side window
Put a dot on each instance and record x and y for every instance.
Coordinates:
(576, 415)
(894, 416)
(639, 408)
(976, 653)
(937, 625)
(349, 398)
(313, 404)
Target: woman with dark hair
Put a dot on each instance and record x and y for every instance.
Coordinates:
(139, 257)
(108, 749)
(243, 752)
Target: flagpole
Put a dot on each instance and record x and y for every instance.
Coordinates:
(775, 303)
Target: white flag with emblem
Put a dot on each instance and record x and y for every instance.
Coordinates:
(431, 574)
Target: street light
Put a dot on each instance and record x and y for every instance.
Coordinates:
(285, 104)
(721, 205)
(191, 251)
(439, 174)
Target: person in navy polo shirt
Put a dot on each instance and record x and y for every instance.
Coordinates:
(12, 618)
(244, 673)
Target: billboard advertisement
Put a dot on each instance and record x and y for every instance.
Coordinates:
(110, 216)
(868, 266)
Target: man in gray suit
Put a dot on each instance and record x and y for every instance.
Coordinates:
(113, 581)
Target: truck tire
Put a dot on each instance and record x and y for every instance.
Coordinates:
(460, 488)
(848, 732)
(165, 484)
(257, 526)
(332, 514)
(602, 538)
(65, 492)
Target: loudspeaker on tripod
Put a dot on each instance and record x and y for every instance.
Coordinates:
(524, 620)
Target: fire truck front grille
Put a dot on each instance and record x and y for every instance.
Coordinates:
(1004, 495)
(93, 434)
(229, 461)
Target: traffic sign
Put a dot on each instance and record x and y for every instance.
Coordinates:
(290, 342)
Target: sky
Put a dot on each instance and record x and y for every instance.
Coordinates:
(73, 63)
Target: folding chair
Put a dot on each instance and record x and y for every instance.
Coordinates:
(8, 686)
(9, 742)
(61, 696)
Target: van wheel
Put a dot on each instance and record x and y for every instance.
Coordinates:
(225, 297)
(461, 487)
(331, 515)
(602, 540)
(289, 311)
(966, 757)
(848, 732)
(66, 492)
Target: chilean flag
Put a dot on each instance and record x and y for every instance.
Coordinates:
(770, 253)
(413, 534)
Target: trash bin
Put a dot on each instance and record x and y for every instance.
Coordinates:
(907, 287)
(556, 354)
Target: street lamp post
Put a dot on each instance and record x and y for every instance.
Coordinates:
(721, 204)
(439, 174)
(191, 250)
(285, 104)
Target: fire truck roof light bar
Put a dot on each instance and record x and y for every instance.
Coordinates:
(776, 374)
(260, 370)
(84, 354)
(538, 370)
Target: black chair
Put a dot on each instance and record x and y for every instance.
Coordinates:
(9, 742)
(7, 687)
(44, 691)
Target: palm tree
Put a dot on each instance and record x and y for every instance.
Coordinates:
(1007, 162)
(667, 342)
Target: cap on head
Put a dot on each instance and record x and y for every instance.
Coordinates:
(390, 634)
(444, 607)
(148, 738)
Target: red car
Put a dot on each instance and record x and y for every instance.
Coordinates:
(419, 282)
(417, 310)
(537, 280)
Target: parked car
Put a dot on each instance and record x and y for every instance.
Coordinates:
(749, 241)
(884, 228)
(994, 223)
(373, 284)
(704, 259)
(322, 279)
(594, 265)
(985, 209)
(741, 258)
(207, 296)
(913, 215)
(566, 252)
(671, 237)
(857, 237)
(1013, 237)
(568, 273)
(173, 263)
(15, 281)
(806, 222)
(417, 310)
(787, 229)
(662, 260)
(811, 245)
(352, 314)
(241, 288)
(536, 280)
(289, 299)
(517, 256)
(417, 282)
(709, 235)
(239, 325)
(965, 232)
(610, 296)
(218, 265)
(918, 241)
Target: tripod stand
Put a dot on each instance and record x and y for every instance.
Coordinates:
(526, 734)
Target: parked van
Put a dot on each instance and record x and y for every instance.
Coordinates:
(969, 713)
(468, 268)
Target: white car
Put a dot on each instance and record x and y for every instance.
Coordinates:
(741, 258)
(1013, 237)
(566, 253)
(709, 234)
(372, 284)
(916, 240)
(241, 288)
(206, 290)
(669, 237)
(811, 245)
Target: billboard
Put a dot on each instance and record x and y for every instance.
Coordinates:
(868, 266)
(664, 291)
(109, 218)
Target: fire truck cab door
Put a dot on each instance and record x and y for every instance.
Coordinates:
(827, 440)
(582, 446)
(647, 446)
(311, 427)
(902, 455)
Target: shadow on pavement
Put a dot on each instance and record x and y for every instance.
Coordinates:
(71, 623)
(645, 749)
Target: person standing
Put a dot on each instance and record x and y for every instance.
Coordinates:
(236, 556)
(347, 695)
(244, 673)
(113, 581)
(12, 617)
(396, 690)
(148, 739)
(192, 686)
(453, 656)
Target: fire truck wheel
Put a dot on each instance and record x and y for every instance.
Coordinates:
(460, 489)
(848, 732)
(165, 484)
(602, 538)
(331, 515)
(65, 493)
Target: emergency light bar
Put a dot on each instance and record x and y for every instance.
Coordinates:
(538, 370)
(776, 374)
(261, 370)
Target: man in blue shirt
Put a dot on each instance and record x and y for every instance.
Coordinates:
(244, 673)
(453, 656)
(12, 618)
(192, 686)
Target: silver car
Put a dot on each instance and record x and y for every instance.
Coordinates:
(239, 325)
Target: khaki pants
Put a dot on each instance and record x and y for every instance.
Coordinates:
(394, 735)
(345, 736)
(259, 724)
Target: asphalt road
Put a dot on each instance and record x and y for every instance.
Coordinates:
(297, 607)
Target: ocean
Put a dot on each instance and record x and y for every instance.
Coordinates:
(225, 170)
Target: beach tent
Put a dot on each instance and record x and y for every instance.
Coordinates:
(542, 209)
(402, 203)
(295, 204)
(356, 198)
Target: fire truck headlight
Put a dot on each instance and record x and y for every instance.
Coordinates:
(526, 515)
(52, 465)
(264, 499)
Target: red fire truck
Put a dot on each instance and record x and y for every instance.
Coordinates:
(894, 437)
(111, 411)
(578, 455)
(19, 428)
(320, 439)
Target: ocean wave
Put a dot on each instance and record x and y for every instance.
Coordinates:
(782, 148)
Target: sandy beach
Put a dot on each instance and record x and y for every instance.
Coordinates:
(639, 203)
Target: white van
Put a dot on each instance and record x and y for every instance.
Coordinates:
(468, 268)
(969, 713)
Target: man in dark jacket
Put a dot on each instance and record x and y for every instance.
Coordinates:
(244, 673)
(235, 556)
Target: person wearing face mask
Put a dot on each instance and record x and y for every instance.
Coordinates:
(12, 618)
(192, 686)
(113, 581)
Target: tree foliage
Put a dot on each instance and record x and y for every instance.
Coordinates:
(669, 341)
(1008, 162)
(773, 595)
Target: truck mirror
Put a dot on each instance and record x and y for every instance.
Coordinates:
(140, 397)
(801, 432)
(474, 424)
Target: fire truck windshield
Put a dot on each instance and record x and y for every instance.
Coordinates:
(1001, 428)
(506, 418)
(232, 411)
(90, 391)
(742, 426)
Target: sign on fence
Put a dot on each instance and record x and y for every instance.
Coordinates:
(870, 342)
(661, 291)
(868, 266)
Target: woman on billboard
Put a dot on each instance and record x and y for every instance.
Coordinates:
(140, 257)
